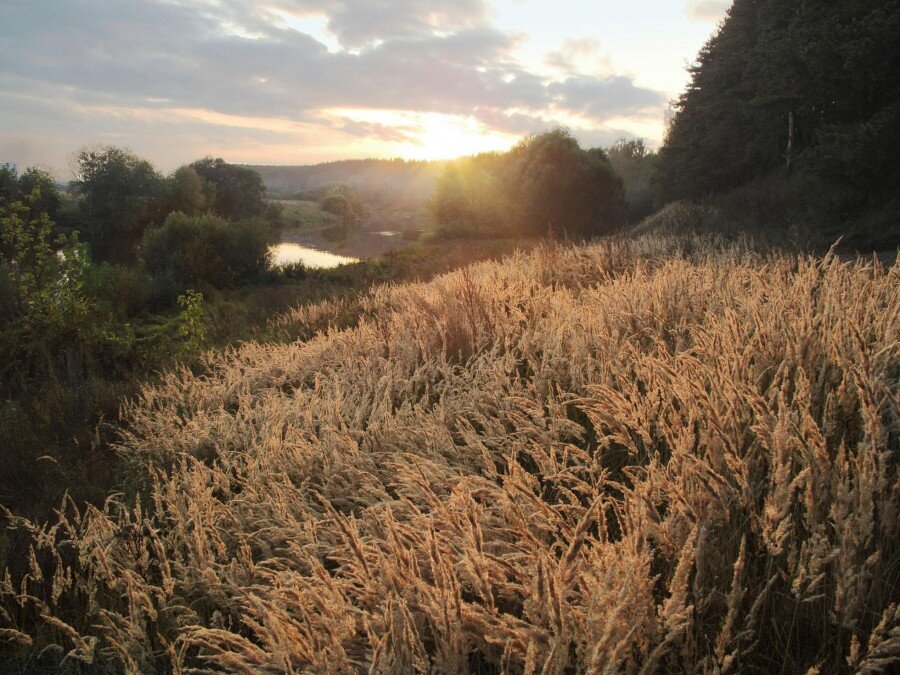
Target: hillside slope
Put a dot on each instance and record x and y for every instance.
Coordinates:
(653, 455)
(389, 181)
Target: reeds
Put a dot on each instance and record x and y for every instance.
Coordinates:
(636, 456)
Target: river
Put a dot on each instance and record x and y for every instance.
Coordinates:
(314, 250)
(287, 253)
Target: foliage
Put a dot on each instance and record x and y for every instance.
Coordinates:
(193, 328)
(9, 185)
(120, 196)
(54, 339)
(76, 337)
(337, 205)
(778, 210)
(546, 183)
(188, 193)
(619, 457)
(237, 192)
(343, 203)
(470, 198)
(35, 185)
(808, 87)
(207, 250)
(126, 289)
(294, 270)
(302, 215)
(49, 323)
(561, 187)
(635, 164)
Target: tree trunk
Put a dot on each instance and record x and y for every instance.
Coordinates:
(790, 142)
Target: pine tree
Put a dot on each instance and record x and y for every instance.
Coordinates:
(793, 86)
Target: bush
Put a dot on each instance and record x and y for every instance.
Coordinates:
(207, 250)
(344, 204)
(50, 324)
(126, 289)
(292, 271)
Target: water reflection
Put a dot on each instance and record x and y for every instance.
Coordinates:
(286, 253)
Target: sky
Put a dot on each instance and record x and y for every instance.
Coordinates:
(307, 81)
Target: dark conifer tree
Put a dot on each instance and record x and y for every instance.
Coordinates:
(793, 86)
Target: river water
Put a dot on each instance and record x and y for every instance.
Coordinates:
(315, 250)
(287, 253)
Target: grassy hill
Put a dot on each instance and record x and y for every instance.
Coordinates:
(655, 454)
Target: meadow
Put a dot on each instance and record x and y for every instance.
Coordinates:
(657, 454)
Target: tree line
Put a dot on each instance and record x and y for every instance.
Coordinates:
(795, 106)
(119, 196)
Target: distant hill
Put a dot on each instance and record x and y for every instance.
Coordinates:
(402, 183)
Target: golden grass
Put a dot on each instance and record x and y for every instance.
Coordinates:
(627, 457)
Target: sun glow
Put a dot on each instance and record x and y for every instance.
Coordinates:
(429, 136)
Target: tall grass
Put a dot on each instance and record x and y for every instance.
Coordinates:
(636, 457)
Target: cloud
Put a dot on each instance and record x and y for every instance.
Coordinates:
(602, 98)
(239, 62)
(361, 22)
(573, 51)
(709, 11)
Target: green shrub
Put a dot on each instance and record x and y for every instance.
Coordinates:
(206, 250)
(126, 289)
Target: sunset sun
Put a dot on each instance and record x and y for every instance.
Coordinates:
(426, 135)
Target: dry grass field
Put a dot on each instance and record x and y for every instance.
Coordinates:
(657, 455)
